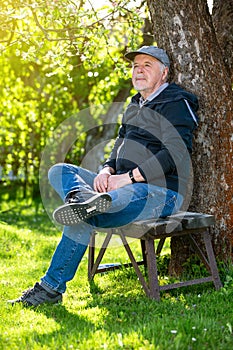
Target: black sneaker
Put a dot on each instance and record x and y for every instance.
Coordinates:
(36, 296)
(81, 206)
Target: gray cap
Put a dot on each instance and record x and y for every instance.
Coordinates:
(153, 51)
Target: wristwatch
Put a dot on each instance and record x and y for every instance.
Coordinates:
(132, 177)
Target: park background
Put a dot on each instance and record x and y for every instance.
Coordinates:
(65, 59)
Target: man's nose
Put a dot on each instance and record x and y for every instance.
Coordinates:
(140, 69)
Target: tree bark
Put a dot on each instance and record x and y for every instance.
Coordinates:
(222, 20)
(185, 29)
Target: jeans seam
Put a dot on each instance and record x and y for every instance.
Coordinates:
(163, 205)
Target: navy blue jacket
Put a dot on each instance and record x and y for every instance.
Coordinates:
(157, 138)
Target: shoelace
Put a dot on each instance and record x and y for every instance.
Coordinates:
(77, 196)
(74, 199)
(30, 292)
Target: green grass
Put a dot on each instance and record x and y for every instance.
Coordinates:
(112, 312)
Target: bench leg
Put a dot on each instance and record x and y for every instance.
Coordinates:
(199, 251)
(212, 261)
(91, 255)
(135, 265)
(152, 269)
(143, 248)
(160, 246)
(149, 256)
(93, 265)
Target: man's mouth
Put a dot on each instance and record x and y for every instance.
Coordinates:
(140, 78)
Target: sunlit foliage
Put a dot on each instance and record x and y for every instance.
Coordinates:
(57, 58)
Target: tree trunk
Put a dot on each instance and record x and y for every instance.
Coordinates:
(184, 28)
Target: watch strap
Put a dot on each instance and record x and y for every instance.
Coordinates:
(132, 177)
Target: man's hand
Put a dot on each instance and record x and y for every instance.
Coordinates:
(106, 182)
(101, 182)
(117, 181)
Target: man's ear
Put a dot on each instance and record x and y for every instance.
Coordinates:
(165, 73)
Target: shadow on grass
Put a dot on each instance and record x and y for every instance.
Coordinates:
(126, 314)
(69, 328)
(126, 308)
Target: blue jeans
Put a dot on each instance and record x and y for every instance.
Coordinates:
(130, 203)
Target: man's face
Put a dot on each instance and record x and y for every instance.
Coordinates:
(148, 74)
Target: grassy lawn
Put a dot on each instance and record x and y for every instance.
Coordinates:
(112, 312)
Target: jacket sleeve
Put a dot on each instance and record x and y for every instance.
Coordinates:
(176, 129)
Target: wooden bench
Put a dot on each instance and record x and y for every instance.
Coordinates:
(187, 224)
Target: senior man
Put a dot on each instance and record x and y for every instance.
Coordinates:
(145, 176)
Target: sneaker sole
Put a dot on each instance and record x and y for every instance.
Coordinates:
(72, 213)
